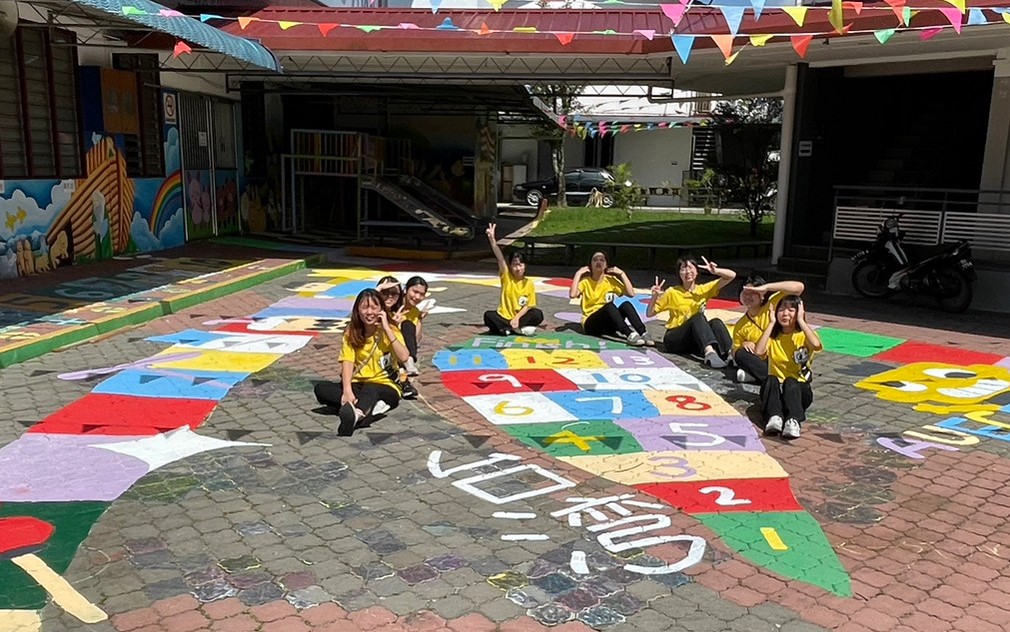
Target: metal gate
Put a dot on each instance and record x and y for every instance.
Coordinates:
(209, 145)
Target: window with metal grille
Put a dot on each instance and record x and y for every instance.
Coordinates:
(39, 115)
(148, 150)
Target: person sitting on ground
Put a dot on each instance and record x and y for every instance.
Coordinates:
(790, 344)
(760, 299)
(687, 328)
(517, 308)
(370, 357)
(409, 317)
(598, 285)
(392, 300)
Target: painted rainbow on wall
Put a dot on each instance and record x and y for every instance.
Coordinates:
(167, 200)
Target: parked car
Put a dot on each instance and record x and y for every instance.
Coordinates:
(579, 184)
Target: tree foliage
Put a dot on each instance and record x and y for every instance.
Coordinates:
(563, 101)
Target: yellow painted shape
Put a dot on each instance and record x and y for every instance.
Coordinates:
(562, 359)
(217, 360)
(314, 287)
(20, 621)
(939, 388)
(354, 274)
(690, 403)
(678, 466)
(567, 436)
(727, 316)
(65, 595)
(773, 539)
(943, 435)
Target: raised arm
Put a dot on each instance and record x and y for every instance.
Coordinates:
(762, 345)
(629, 289)
(400, 349)
(502, 266)
(657, 291)
(573, 291)
(785, 287)
(813, 340)
(725, 275)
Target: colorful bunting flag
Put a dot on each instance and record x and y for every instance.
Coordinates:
(733, 17)
(129, 9)
(565, 38)
(484, 29)
(170, 13)
(835, 15)
(367, 28)
(957, 4)
(181, 48)
(326, 27)
(683, 45)
(524, 29)
(1006, 17)
(975, 17)
(801, 43)
(759, 40)
(798, 14)
(729, 60)
(898, 6)
(447, 25)
(497, 4)
(674, 11)
(287, 24)
(243, 22)
(646, 33)
(206, 17)
(855, 6)
(406, 26)
(435, 4)
(758, 6)
(883, 35)
(953, 16)
(927, 34)
(725, 44)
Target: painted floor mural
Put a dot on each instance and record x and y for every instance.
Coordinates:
(630, 416)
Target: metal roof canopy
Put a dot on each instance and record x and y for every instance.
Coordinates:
(144, 16)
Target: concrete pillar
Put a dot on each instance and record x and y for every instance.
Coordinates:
(996, 160)
(785, 163)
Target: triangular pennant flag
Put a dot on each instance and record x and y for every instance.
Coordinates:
(484, 29)
(132, 10)
(604, 32)
(725, 44)
(565, 38)
(407, 26)
(846, 29)
(898, 6)
(883, 35)
(497, 4)
(243, 22)
(368, 28)
(957, 4)
(908, 14)
(953, 16)
(325, 28)
(801, 43)
(927, 34)
(733, 17)
(759, 40)
(286, 24)
(435, 4)
(975, 17)
(798, 14)
(235, 435)
(1006, 17)
(683, 44)
(646, 33)
(835, 16)
(305, 437)
(758, 6)
(729, 60)
(855, 6)
(525, 29)
(625, 128)
(181, 48)
(674, 11)
(206, 17)
(171, 13)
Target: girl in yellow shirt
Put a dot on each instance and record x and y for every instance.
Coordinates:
(760, 299)
(687, 329)
(517, 309)
(370, 357)
(790, 343)
(598, 285)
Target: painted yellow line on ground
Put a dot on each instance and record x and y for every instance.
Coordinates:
(773, 539)
(65, 595)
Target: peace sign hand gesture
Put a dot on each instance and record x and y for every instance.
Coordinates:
(490, 231)
(709, 266)
(657, 287)
(397, 316)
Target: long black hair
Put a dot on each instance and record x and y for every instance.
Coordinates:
(356, 329)
(399, 300)
(790, 300)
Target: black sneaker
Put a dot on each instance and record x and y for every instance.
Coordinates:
(409, 392)
(347, 420)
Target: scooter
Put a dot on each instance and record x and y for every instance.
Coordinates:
(944, 272)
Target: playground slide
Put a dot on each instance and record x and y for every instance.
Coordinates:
(423, 213)
(434, 198)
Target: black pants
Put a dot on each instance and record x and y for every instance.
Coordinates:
(752, 364)
(696, 334)
(409, 331)
(611, 319)
(368, 393)
(788, 400)
(498, 324)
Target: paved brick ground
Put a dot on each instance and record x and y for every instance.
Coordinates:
(318, 532)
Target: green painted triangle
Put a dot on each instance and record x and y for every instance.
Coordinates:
(809, 557)
(856, 343)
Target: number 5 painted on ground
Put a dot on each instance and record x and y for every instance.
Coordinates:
(726, 496)
(714, 439)
(615, 409)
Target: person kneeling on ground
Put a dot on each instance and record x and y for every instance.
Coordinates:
(370, 357)
(790, 344)
(760, 299)
(687, 329)
(517, 307)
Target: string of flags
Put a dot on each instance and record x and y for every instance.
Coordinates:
(957, 16)
(592, 129)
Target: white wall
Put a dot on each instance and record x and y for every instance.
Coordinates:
(200, 83)
(650, 154)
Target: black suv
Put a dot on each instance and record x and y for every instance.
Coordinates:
(579, 184)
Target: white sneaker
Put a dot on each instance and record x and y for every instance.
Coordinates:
(774, 425)
(744, 377)
(528, 330)
(380, 407)
(713, 360)
(636, 339)
(411, 368)
(649, 342)
(791, 430)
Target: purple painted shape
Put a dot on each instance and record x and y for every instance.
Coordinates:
(739, 433)
(569, 317)
(634, 359)
(1005, 363)
(912, 447)
(341, 305)
(40, 467)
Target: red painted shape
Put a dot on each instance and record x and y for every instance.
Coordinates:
(243, 328)
(718, 303)
(764, 494)
(559, 282)
(22, 534)
(466, 383)
(909, 352)
(98, 413)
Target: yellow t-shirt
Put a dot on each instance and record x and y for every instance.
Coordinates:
(788, 356)
(377, 362)
(682, 304)
(515, 295)
(412, 315)
(749, 329)
(595, 295)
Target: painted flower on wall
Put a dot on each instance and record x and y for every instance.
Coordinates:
(199, 202)
(227, 204)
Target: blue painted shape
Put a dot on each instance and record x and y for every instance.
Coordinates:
(469, 360)
(988, 431)
(347, 289)
(190, 337)
(604, 405)
(298, 312)
(172, 383)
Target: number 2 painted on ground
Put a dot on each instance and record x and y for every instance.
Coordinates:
(727, 497)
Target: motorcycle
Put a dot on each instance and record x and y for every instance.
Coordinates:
(944, 272)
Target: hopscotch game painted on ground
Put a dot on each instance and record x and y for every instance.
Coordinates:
(631, 416)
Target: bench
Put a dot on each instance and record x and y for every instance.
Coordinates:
(757, 247)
